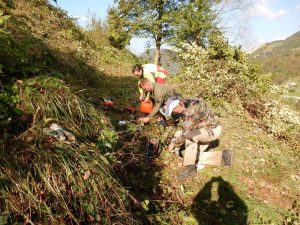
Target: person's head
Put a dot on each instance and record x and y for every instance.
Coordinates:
(137, 70)
(180, 107)
(173, 104)
(146, 85)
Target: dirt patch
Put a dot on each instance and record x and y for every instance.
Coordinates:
(267, 193)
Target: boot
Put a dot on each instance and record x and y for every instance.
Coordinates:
(188, 171)
(227, 157)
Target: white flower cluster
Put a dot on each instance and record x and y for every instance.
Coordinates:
(194, 58)
(228, 78)
(216, 77)
(278, 89)
(280, 118)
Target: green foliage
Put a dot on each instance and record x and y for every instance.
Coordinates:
(18, 58)
(119, 34)
(193, 21)
(220, 73)
(3, 18)
(8, 97)
(293, 215)
(8, 101)
(106, 140)
(54, 101)
(97, 30)
(163, 21)
(145, 205)
(9, 4)
(280, 119)
(105, 42)
(218, 47)
(141, 18)
(45, 181)
(16, 55)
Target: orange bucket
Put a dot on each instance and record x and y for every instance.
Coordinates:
(146, 107)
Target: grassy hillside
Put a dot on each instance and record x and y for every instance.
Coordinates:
(280, 58)
(53, 71)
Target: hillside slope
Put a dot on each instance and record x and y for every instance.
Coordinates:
(59, 75)
(52, 73)
(280, 57)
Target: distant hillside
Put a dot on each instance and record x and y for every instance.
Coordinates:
(167, 60)
(280, 57)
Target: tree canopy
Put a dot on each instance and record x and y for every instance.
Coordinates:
(193, 21)
(164, 21)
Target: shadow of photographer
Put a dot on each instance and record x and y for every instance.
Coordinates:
(218, 204)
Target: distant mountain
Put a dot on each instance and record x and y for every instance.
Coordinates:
(167, 59)
(282, 58)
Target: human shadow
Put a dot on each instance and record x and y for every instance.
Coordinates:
(218, 204)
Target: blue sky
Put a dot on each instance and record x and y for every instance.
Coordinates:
(263, 21)
(274, 19)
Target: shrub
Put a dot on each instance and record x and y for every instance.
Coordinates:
(8, 97)
(220, 73)
(220, 77)
(280, 119)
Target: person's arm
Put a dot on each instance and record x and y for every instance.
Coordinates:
(141, 91)
(193, 115)
(188, 125)
(177, 141)
(147, 96)
(157, 106)
(189, 120)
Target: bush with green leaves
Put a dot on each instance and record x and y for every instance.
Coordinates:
(8, 101)
(280, 119)
(8, 97)
(292, 217)
(220, 73)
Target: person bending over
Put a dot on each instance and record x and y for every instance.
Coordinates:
(159, 94)
(200, 127)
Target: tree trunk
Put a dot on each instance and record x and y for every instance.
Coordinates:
(159, 34)
(157, 54)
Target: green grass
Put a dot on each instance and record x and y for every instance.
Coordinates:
(49, 176)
